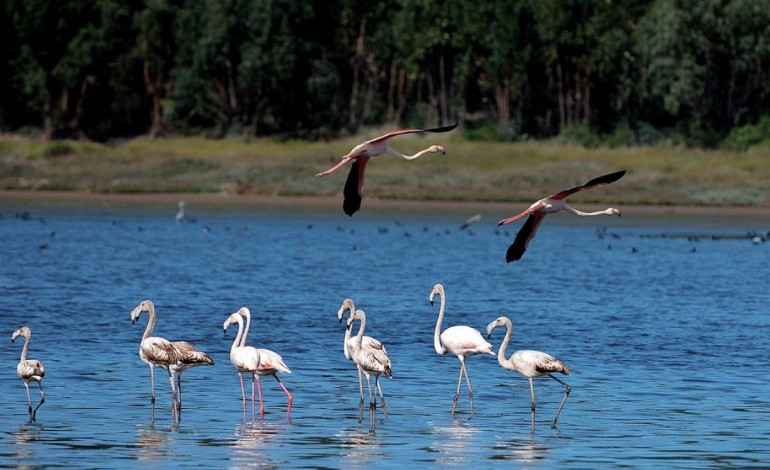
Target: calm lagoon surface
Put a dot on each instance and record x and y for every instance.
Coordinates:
(663, 321)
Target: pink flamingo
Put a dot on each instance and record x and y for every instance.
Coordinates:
(348, 344)
(257, 362)
(530, 364)
(371, 148)
(550, 205)
(461, 341)
(29, 370)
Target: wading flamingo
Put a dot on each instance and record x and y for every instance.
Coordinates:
(179, 217)
(369, 359)
(348, 342)
(255, 361)
(360, 156)
(459, 340)
(554, 203)
(29, 369)
(530, 364)
(176, 357)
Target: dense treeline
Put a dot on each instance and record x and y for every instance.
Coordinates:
(626, 71)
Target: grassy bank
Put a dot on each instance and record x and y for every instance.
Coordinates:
(471, 171)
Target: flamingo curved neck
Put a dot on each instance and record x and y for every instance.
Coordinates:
(150, 323)
(237, 340)
(247, 314)
(437, 345)
(345, 343)
(400, 155)
(584, 214)
(25, 348)
(360, 335)
(504, 345)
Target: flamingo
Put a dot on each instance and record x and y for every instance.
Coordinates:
(179, 217)
(176, 357)
(554, 203)
(29, 370)
(257, 362)
(368, 358)
(348, 343)
(360, 156)
(459, 340)
(530, 364)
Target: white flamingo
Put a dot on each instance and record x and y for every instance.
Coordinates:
(554, 203)
(179, 217)
(255, 361)
(348, 342)
(29, 369)
(360, 156)
(174, 356)
(530, 364)
(459, 340)
(368, 358)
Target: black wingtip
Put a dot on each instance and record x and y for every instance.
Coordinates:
(442, 129)
(607, 179)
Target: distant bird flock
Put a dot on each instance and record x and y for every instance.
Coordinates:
(367, 353)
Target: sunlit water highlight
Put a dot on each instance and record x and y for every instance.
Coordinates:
(666, 335)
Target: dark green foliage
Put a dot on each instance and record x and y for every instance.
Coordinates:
(624, 72)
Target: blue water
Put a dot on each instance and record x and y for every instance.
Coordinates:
(666, 335)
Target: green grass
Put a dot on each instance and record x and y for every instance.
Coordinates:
(471, 170)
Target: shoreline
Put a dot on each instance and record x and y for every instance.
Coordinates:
(331, 202)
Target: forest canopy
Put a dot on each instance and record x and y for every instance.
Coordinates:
(628, 72)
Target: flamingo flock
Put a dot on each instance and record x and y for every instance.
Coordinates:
(368, 354)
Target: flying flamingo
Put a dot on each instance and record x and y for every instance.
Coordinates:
(257, 362)
(29, 369)
(554, 203)
(176, 357)
(530, 364)
(360, 156)
(348, 343)
(369, 359)
(461, 341)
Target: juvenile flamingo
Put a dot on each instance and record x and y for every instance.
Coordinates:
(554, 203)
(257, 362)
(369, 359)
(360, 156)
(348, 343)
(461, 341)
(29, 369)
(176, 357)
(530, 364)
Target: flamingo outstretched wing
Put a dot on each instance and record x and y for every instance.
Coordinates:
(390, 134)
(594, 183)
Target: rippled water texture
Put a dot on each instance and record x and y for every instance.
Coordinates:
(666, 335)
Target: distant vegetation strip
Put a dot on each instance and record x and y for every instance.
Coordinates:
(470, 171)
